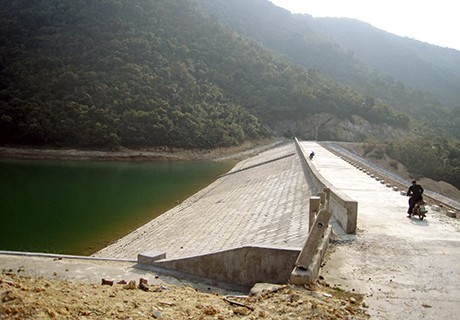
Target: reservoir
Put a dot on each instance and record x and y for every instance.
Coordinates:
(79, 207)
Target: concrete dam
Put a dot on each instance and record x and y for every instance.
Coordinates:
(248, 226)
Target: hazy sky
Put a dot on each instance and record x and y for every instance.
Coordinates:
(433, 21)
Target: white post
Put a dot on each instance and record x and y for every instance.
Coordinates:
(314, 209)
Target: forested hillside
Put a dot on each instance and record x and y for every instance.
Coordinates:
(414, 77)
(148, 73)
(143, 73)
(113, 73)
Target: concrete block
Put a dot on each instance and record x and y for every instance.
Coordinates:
(301, 275)
(435, 208)
(403, 193)
(150, 257)
(314, 239)
(395, 188)
(458, 215)
(388, 185)
(259, 288)
(452, 214)
(242, 266)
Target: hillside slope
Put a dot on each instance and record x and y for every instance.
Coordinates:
(414, 77)
(152, 73)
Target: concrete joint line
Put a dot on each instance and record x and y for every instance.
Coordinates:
(63, 256)
(257, 165)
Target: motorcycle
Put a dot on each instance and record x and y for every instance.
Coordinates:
(419, 210)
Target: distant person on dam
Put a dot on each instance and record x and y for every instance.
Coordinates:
(415, 192)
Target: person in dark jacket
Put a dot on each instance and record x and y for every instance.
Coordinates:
(415, 193)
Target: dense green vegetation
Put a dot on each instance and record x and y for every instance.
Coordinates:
(413, 77)
(142, 73)
(438, 159)
(110, 73)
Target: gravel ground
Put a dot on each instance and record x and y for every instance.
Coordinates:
(28, 297)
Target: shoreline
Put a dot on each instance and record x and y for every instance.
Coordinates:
(239, 152)
(84, 155)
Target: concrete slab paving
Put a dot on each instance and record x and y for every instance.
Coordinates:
(407, 268)
(263, 201)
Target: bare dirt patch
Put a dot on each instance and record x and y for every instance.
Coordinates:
(25, 297)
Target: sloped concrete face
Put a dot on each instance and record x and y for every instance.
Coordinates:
(261, 207)
(263, 202)
(243, 266)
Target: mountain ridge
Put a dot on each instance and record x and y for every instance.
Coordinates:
(407, 74)
(149, 73)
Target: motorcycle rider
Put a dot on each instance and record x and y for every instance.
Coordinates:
(415, 193)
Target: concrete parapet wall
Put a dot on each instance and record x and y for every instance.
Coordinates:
(344, 211)
(306, 276)
(243, 266)
(309, 260)
(343, 208)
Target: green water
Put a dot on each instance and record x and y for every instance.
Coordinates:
(75, 207)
